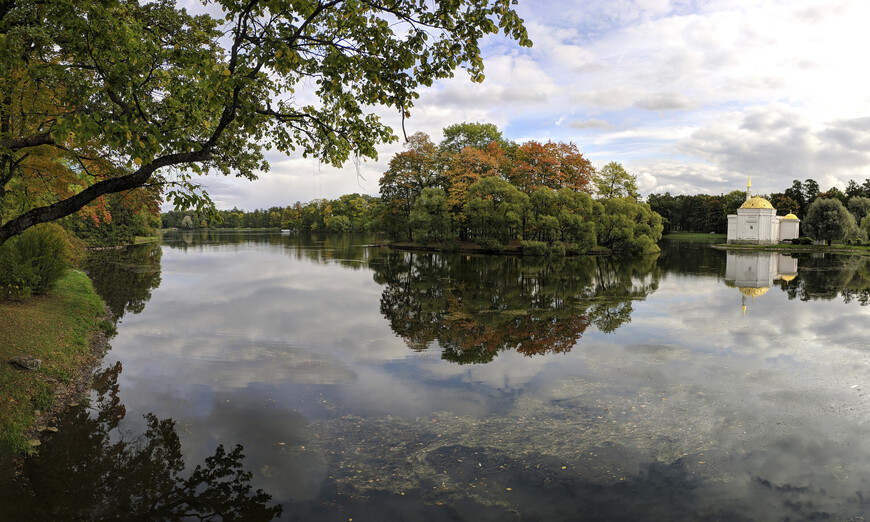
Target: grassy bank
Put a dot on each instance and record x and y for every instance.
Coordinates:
(56, 328)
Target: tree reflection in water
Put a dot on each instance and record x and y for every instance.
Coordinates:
(92, 470)
(477, 306)
(125, 278)
(829, 277)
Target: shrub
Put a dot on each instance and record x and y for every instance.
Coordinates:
(16, 278)
(34, 261)
(557, 249)
(46, 248)
(489, 244)
(534, 248)
(449, 245)
(575, 249)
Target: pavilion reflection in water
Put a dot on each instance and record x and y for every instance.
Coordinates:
(753, 273)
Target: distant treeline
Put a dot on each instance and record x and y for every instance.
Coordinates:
(348, 213)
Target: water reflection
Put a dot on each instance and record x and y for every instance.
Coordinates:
(829, 277)
(478, 306)
(682, 256)
(648, 397)
(754, 273)
(821, 277)
(125, 278)
(92, 469)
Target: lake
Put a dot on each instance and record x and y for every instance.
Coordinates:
(255, 373)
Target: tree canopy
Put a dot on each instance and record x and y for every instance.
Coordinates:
(828, 220)
(613, 181)
(116, 94)
(475, 135)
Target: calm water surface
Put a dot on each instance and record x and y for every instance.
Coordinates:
(362, 383)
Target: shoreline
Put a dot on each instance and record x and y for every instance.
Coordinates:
(508, 250)
(73, 392)
(68, 330)
(798, 249)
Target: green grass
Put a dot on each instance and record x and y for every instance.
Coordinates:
(138, 240)
(55, 328)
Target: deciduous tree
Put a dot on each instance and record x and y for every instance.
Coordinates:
(859, 207)
(613, 181)
(828, 220)
(430, 220)
(409, 173)
(466, 168)
(476, 135)
(796, 193)
(554, 165)
(628, 227)
(494, 209)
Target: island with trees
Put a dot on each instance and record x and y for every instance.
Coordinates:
(476, 190)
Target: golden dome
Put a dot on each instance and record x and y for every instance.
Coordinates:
(756, 202)
(787, 278)
(789, 216)
(752, 292)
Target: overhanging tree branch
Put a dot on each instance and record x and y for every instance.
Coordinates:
(74, 203)
(26, 142)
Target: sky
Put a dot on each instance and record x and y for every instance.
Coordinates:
(689, 96)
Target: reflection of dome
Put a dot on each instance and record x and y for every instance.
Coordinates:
(752, 292)
(787, 278)
(789, 216)
(756, 202)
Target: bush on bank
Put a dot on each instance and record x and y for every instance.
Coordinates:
(33, 262)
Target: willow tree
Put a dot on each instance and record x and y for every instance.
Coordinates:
(162, 95)
(828, 220)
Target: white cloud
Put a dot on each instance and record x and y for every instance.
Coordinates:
(664, 102)
(591, 123)
(695, 94)
(781, 143)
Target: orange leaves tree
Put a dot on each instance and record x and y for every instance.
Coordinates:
(554, 165)
(465, 169)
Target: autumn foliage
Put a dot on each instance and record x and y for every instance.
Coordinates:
(480, 187)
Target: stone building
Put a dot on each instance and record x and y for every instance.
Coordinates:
(756, 223)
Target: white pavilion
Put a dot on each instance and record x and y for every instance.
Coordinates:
(756, 223)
